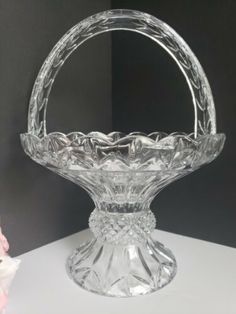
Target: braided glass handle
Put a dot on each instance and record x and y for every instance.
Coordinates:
(161, 33)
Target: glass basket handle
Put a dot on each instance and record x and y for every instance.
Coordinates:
(160, 32)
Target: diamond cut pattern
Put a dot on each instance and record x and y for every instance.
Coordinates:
(122, 228)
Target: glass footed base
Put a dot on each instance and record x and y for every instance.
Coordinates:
(122, 270)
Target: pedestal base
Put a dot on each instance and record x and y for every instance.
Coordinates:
(122, 270)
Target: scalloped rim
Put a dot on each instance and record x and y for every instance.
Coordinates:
(153, 141)
(116, 137)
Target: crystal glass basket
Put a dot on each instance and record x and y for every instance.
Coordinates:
(123, 172)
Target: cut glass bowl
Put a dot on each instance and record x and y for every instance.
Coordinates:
(123, 172)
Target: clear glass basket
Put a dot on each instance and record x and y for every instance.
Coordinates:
(123, 172)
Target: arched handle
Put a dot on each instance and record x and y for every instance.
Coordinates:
(161, 33)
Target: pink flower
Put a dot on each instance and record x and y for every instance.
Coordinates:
(4, 246)
(3, 301)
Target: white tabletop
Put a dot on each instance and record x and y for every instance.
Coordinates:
(205, 282)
